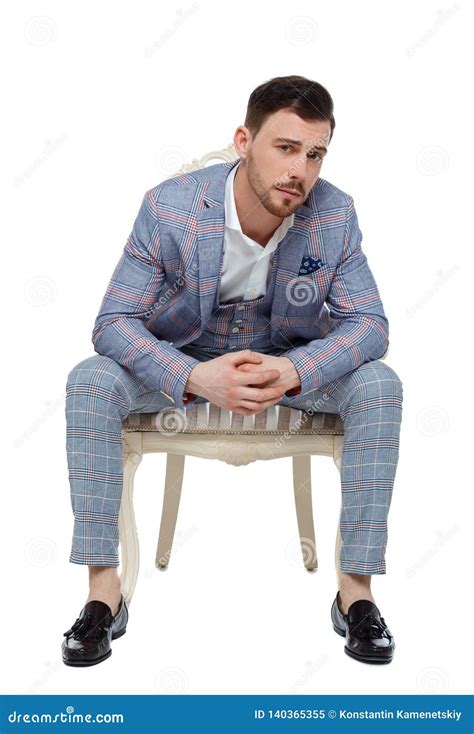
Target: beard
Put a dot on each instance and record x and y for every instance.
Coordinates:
(268, 196)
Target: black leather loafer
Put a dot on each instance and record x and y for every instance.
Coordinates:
(88, 640)
(367, 636)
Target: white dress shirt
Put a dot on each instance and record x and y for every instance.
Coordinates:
(245, 264)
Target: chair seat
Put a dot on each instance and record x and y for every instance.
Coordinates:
(207, 417)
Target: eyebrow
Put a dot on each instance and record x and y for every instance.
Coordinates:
(299, 144)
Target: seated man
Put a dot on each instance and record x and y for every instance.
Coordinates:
(243, 284)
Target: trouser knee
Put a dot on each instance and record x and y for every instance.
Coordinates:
(374, 385)
(98, 377)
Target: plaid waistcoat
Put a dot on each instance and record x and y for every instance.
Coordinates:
(244, 324)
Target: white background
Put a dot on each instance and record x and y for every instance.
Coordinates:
(104, 101)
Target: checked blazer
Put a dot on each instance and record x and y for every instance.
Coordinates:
(326, 310)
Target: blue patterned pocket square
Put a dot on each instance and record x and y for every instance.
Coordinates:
(309, 265)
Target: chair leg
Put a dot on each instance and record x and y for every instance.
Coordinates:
(337, 552)
(169, 514)
(130, 551)
(304, 510)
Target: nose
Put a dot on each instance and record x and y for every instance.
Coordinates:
(296, 177)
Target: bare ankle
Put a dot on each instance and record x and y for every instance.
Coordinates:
(352, 587)
(104, 575)
(104, 585)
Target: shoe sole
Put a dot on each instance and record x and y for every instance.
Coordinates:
(86, 663)
(362, 658)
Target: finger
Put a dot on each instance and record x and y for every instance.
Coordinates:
(260, 395)
(257, 378)
(246, 356)
(254, 407)
(268, 383)
(246, 367)
(248, 370)
(253, 368)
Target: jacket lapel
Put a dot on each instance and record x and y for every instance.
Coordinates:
(210, 239)
(292, 248)
(210, 233)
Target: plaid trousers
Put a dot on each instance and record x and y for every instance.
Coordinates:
(100, 394)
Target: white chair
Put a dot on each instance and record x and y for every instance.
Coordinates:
(209, 432)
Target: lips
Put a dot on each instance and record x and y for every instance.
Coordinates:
(290, 192)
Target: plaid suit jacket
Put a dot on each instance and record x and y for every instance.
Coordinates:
(326, 309)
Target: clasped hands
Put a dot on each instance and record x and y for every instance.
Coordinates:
(244, 382)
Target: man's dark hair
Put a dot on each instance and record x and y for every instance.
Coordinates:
(309, 100)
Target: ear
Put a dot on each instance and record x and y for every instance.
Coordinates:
(242, 140)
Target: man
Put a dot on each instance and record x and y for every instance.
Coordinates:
(243, 284)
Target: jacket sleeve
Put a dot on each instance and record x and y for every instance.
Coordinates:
(120, 330)
(361, 330)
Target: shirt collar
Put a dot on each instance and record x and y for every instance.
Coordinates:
(232, 219)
